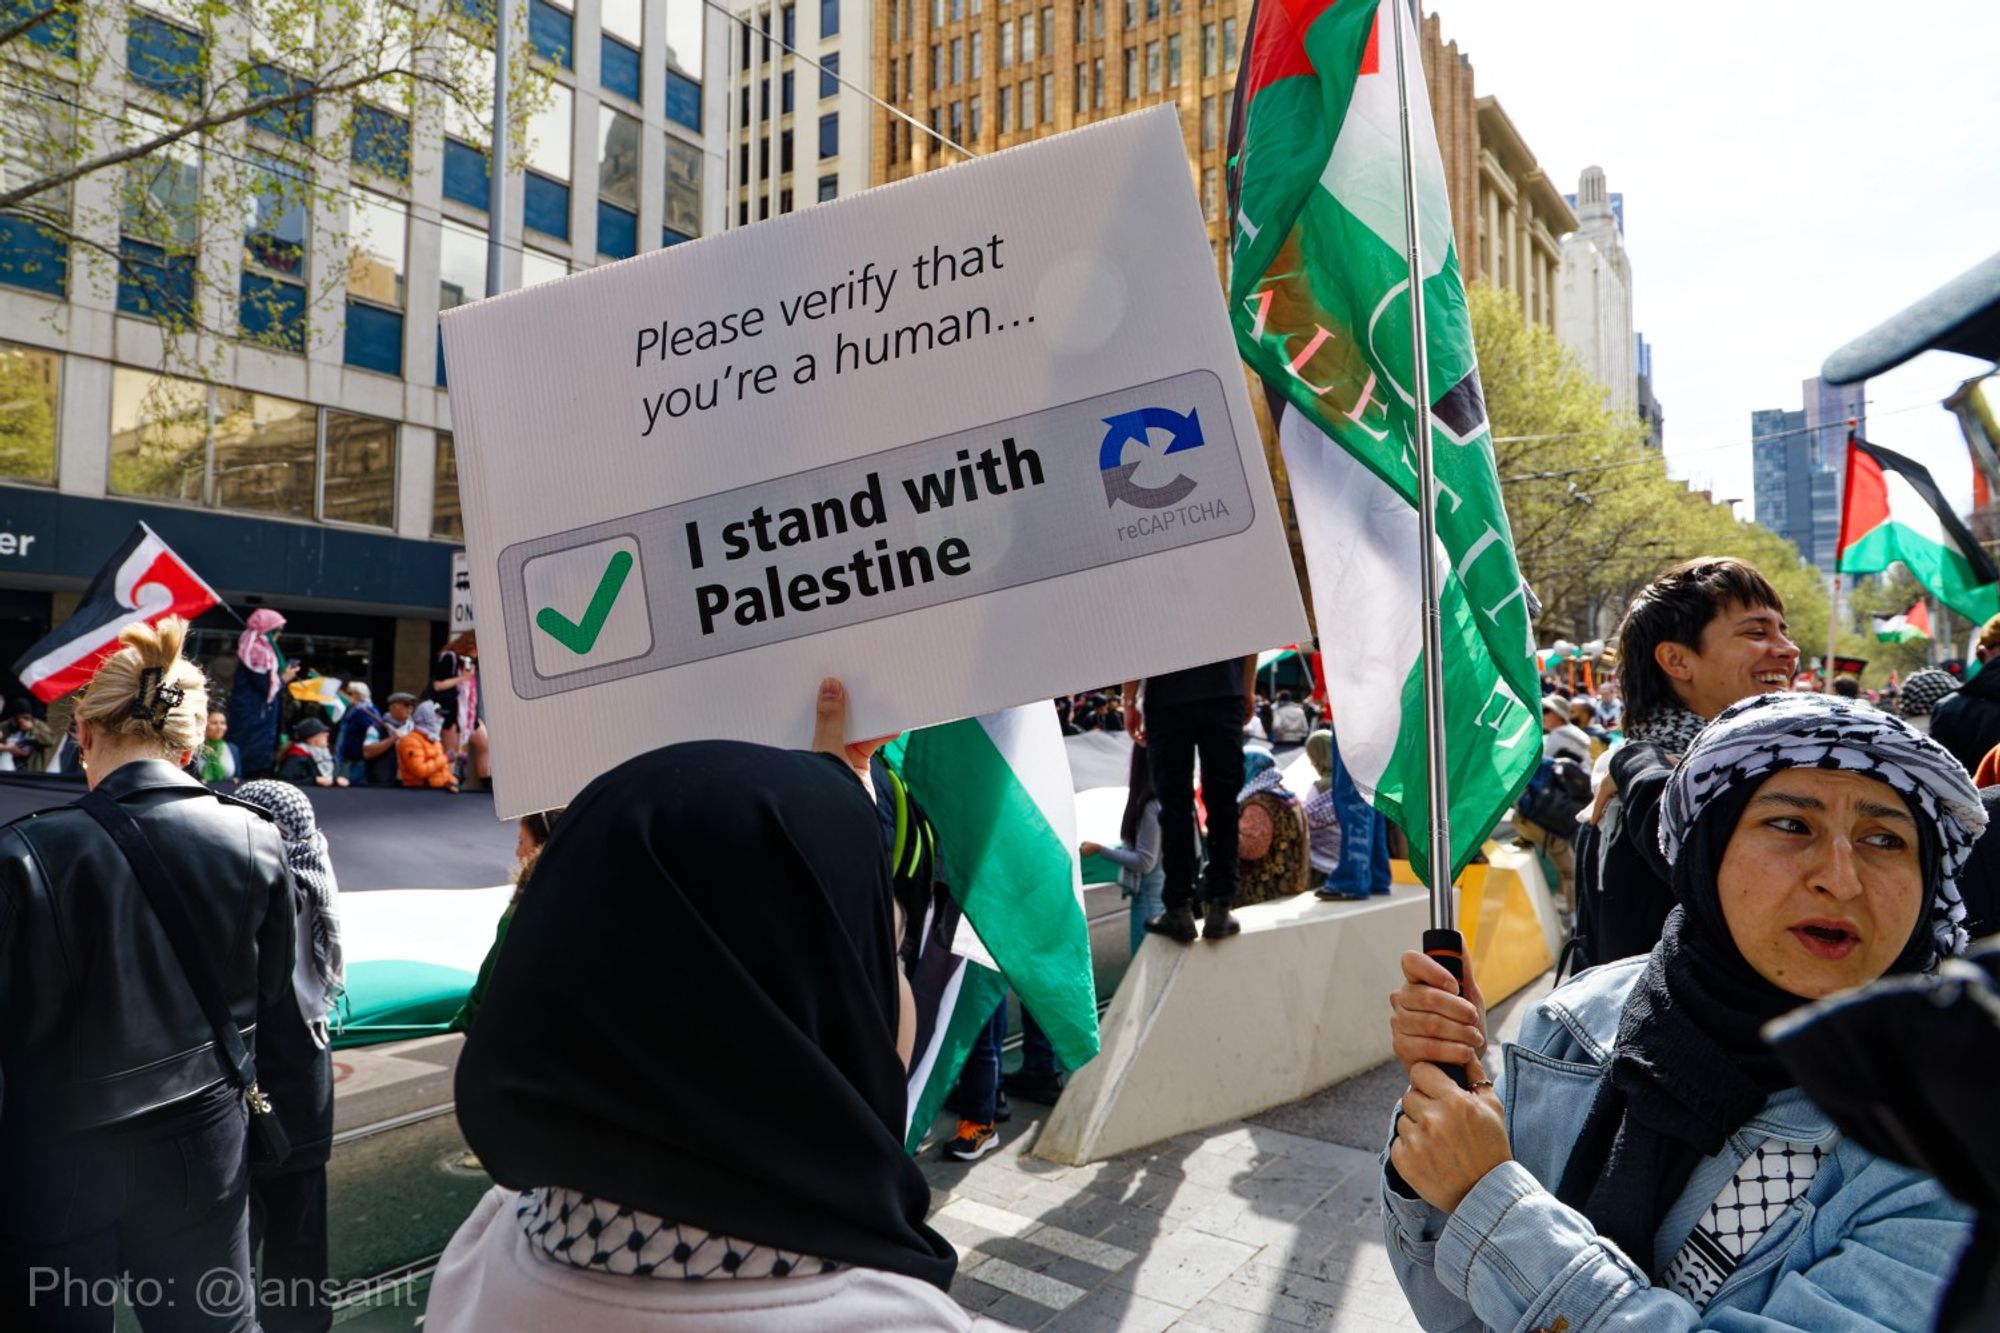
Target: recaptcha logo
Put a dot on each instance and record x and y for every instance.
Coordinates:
(1130, 428)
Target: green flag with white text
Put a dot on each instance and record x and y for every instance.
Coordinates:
(1319, 295)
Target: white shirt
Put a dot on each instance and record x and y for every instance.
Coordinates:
(492, 1281)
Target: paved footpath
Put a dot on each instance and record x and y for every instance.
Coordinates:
(1268, 1223)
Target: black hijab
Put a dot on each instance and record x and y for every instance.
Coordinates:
(1689, 1066)
(695, 1012)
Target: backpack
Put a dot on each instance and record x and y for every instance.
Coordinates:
(1556, 795)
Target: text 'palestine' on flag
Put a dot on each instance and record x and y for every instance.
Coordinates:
(1892, 510)
(1320, 298)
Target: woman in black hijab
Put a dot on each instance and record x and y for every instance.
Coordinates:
(687, 1066)
(1646, 1161)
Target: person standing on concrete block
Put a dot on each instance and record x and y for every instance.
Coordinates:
(1199, 711)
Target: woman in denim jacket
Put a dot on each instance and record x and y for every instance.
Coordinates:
(1640, 1159)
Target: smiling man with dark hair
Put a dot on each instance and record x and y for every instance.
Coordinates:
(1698, 638)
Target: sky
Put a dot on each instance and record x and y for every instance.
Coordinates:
(1793, 173)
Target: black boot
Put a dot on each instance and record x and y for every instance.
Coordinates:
(1220, 925)
(1176, 923)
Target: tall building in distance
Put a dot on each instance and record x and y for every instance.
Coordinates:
(795, 124)
(1798, 461)
(1595, 322)
(1650, 412)
(989, 74)
(1508, 217)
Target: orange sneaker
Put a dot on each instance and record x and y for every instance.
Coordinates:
(972, 1142)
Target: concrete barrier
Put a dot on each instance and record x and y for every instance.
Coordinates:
(1207, 1033)
(1296, 1003)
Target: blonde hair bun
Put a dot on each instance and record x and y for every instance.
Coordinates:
(147, 689)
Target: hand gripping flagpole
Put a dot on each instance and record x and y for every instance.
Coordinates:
(1442, 941)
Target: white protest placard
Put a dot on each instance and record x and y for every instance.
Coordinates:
(461, 593)
(966, 441)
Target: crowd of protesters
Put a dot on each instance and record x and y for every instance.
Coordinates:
(1638, 1155)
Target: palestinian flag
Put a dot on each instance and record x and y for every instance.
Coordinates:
(1320, 297)
(1913, 626)
(142, 582)
(1893, 511)
(999, 797)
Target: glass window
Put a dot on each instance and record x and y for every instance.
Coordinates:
(617, 158)
(978, 57)
(1006, 107)
(829, 188)
(461, 264)
(377, 244)
(787, 83)
(1211, 196)
(1097, 83)
(937, 65)
(789, 27)
(1027, 39)
(161, 188)
(1082, 92)
(537, 268)
(829, 17)
(159, 435)
(683, 186)
(549, 134)
(360, 485)
(446, 520)
(1208, 124)
(1006, 43)
(1174, 61)
(1152, 67)
(686, 22)
(1048, 30)
(683, 101)
(958, 60)
(975, 8)
(274, 232)
(621, 18)
(972, 117)
(1131, 14)
(937, 13)
(829, 66)
(264, 454)
(551, 32)
(1027, 103)
(829, 135)
(784, 154)
(28, 382)
(1096, 19)
(471, 120)
(1209, 67)
(1152, 10)
(957, 10)
(1048, 99)
(957, 122)
(1229, 43)
(35, 135)
(1131, 73)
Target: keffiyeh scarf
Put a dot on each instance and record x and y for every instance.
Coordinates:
(1672, 729)
(319, 985)
(1921, 692)
(1759, 736)
(582, 1231)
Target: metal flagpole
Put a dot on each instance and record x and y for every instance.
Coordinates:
(1832, 629)
(1441, 811)
(496, 160)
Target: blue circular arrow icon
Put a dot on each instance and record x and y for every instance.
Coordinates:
(1128, 427)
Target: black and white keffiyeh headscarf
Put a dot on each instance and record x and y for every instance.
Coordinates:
(1922, 691)
(319, 978)
(1759, 736)
(1672, 728)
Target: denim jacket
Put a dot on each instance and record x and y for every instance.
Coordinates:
(1870, 1246)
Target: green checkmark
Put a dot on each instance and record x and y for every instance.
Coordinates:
(580, 636)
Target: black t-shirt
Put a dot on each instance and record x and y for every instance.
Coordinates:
(1217, 680)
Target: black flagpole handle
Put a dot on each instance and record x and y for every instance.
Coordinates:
(1447, 947)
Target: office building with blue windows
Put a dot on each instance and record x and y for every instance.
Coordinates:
(310, 468)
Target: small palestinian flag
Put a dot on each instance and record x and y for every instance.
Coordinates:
(1894, 511)
(1913, 626)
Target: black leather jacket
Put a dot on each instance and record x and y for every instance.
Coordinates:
(97, 1021)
